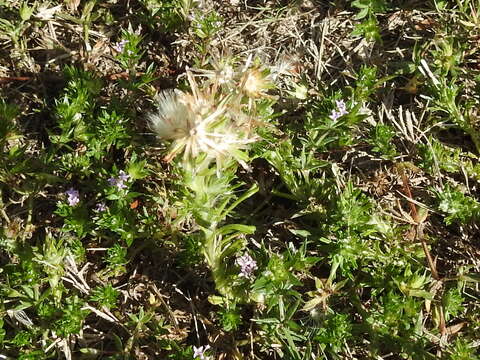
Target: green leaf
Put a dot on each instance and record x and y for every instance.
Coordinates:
(300, 233)
(420, 293)
(362, 14)
(232, 228)
(26, 11)
(216, 300)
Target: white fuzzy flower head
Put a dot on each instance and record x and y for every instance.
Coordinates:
(225, 74)
(195, 124)
(286, 65)
(173, 120)
(255, 83)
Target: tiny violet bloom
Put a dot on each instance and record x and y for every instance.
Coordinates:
(73, 196)
(121, 185)
(123, 176)
(101, 207)
(199, 353)
(247, 265)
(119, 182)
(342, 110)
(120, 46)
(112, 181)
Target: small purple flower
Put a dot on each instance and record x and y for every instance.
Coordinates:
(341, 106)
(342, 110)
(247, 265)
(112, 181)
(119, 182)
(101, 207)
(123, 176)
(120, 46)
(199, 353)
(73, 196)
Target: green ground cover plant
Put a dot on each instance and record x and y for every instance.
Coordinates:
(191, 179)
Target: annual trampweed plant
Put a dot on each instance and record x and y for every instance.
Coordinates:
(210, 128)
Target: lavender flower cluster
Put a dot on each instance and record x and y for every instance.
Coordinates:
(340, 111)
(247, 265)
(120, 46)
(199, 353)
(73, 196)
(119, 182)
